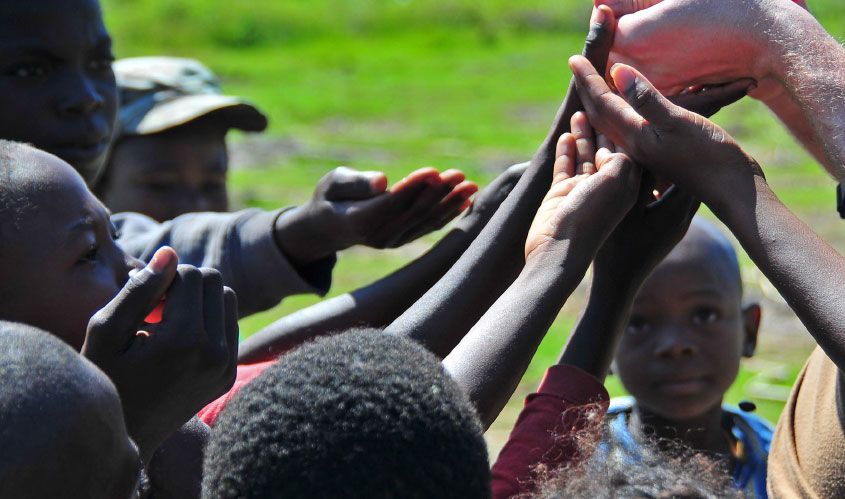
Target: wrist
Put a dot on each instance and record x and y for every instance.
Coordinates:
(557, 259)
(299, 237)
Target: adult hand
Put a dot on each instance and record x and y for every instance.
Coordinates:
(350, 208)
(676, 144)
(591, 192)
(683, 43)
(166, 372)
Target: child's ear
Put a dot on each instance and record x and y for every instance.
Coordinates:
(751, 316)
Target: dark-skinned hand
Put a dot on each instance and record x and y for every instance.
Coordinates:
(352, 208)
(166, 372)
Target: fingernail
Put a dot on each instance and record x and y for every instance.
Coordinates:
(161, 260)
(598, 16)
(624, 79)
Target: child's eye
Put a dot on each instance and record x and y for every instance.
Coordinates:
(705, 316)
(29, 70)
(637, 325)
(91, 255)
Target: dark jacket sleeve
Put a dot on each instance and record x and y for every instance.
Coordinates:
(568, 402)
(240, 245)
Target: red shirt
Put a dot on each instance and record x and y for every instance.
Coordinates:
(246, 373)
(567, 402)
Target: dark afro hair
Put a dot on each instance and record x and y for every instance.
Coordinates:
(364, 414)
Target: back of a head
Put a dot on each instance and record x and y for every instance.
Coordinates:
(363, 414)
(61, 424)
(660, 469)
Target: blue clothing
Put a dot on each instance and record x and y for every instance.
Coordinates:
(754, 432)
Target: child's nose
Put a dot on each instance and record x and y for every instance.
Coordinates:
(673, 343)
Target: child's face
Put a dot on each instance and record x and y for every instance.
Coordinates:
(688, 331)
(60, 261)
(168, 174)
(57, 88)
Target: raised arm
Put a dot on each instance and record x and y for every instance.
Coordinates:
(703, 158)
(380, 303)
(452, 306)
(798, 66)
(579, 211)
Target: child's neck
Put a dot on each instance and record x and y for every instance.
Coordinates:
(704, 433)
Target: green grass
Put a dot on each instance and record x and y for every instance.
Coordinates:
(397, 84)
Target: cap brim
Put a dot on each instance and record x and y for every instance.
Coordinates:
(235, 113)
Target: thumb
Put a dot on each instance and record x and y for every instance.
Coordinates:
(115, 325)
(623, 7)
(676, 205)
(346, 184)
(641, 94)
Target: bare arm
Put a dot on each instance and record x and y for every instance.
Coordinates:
(701, 157)
(450, 308)
(575, 218)
(378, 304)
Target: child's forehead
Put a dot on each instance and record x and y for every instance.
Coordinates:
(58, 23)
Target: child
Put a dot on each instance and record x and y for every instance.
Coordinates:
(361, 414)
(169, 152)
(58, 92)
(681, 351)
(63, 272)
(808, 449)
(63, 433)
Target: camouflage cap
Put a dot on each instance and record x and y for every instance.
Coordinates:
(160, 93)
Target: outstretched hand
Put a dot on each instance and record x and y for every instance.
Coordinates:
(166, 372)
(349, 208)
(591, 192)
(676, 144)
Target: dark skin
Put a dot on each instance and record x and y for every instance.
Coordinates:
(66, 254)
(80, 445)
(705, 159)
(380, 303)
(164, 175)
(446, 312)
(59, 93)
(57, 88)
(683, 345)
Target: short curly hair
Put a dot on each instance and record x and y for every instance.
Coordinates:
(362, 414)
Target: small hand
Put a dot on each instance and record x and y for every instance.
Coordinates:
(166, 372)
(591, 192)
(653, 226)
(676, 144)
(350, 208)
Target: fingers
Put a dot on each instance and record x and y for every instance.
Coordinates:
(421, 177)
(230, 304)
(584, 144)
(212, 306)
(183, 310)
(676, 205)
(600, 38)
(564, 167)
(707, 101)
(607, 111)
(346, 184)
(641, 95)
(624, 7)
(116, 324)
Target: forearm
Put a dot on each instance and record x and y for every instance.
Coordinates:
(806, 271)
(592, 345)
(376, 305)
(810, 66)
(489, 362)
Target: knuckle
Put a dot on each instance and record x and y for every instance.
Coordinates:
(212, 276)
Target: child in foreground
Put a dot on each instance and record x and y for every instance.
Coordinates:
(681, 352)
(63, 433)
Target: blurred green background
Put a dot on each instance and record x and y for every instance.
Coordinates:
(397, 84)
